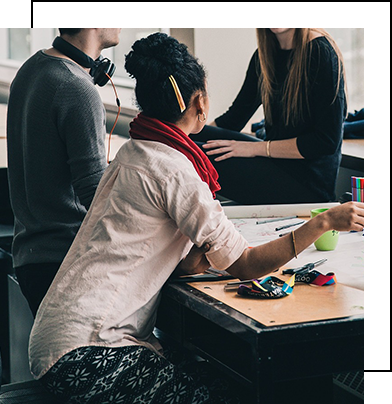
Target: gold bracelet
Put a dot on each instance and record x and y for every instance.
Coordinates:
(294, 245)
(268, 149)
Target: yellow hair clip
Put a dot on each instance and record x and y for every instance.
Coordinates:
(177, 91)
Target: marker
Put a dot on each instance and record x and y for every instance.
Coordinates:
(276, 219)
(289, 225)
(283, 234)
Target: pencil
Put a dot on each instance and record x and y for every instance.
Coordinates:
(276, 219)
(283, 234)
(289, 225)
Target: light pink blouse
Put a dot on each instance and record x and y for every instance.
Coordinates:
(149, 208)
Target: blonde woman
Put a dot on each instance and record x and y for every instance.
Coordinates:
(298, 76)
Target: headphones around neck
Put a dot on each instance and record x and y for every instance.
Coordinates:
(99, 68)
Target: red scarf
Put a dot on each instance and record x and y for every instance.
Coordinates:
(146, 128)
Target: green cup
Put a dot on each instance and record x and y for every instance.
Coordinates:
(329, 240)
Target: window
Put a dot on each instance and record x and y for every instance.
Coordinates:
(127, 37)
(351, 43)
(19, 42)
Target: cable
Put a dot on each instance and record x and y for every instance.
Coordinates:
(118, 114)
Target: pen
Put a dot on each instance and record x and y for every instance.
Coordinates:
(288, 225)
(283, 234)
(276, 219)
(234, 285)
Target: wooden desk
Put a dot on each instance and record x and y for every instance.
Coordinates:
(353, 154)
(3, 152)
(263, 356)
(283, 349)
(308, 303)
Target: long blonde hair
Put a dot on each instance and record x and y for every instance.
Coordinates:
(296, 86)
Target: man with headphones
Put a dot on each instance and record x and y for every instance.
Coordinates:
(56, 127)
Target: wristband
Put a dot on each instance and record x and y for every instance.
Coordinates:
(316, 278)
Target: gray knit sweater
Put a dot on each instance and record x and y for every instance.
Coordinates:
(56, 155)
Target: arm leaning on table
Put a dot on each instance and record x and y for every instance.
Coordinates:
(264, 259)
(261, 260)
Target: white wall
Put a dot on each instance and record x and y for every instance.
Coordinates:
(225, 53)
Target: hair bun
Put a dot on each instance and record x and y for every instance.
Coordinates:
(155, 57)
(151, 61)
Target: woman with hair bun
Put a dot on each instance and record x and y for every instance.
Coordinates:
(153, 215)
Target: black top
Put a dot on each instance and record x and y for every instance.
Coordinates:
(319, 134)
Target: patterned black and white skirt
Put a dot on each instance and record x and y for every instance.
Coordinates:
(134, 374)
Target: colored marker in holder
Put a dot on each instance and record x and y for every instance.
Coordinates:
(358, 189)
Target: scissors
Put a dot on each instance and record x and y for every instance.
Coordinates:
(304, 269)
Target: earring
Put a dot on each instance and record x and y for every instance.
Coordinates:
(204, 117)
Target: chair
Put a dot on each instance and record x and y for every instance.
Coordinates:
(29, 392)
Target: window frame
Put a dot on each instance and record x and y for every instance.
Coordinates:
(42, 38)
